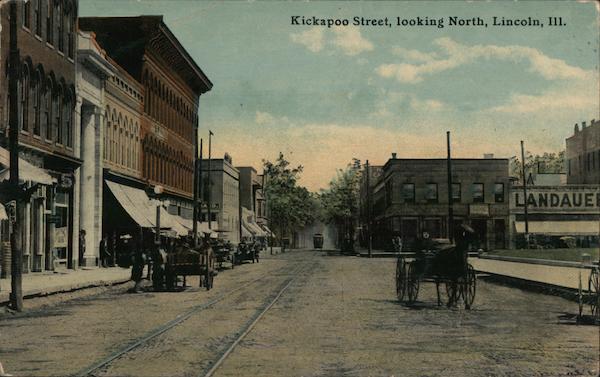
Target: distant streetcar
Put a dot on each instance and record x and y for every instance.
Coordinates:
(318, 241)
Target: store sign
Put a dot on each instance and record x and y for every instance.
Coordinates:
(60, 237)
(561, 199)
(66, 181)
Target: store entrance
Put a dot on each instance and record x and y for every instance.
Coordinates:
(480, 228)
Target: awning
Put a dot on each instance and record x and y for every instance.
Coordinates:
(142, 210)
(250, 224)
(3, 215)
(202, 227)
(27, 172)
(245, 232)
(266, 229)
(560, 228)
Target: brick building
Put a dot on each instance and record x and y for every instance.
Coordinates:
(583, 154)
(151, 117)
(411, 197)
(46, 35)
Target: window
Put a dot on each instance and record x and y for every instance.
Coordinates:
(38, 16)
(27, 14)
(24, 100)
(389, 186)
(61, 28)
(36, 99)
(499, 192)
(47, 116)
(456, 194)
(431, 192)
(478, 194)
(70, 34)
(67, 122)
(408, 192)
(57, 112)
(50, 22)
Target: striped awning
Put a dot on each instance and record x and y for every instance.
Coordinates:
(27, 172)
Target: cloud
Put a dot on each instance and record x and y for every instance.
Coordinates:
(347, 39)
(391, 103)
(457, 54)
(350, 41)
(550, 101)
(312, 39)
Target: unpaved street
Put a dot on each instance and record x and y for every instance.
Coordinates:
(339, 316)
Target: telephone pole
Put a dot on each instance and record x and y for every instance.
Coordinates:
(450, 198)
(369, 232)
(16, 295)
(524, 192)
(209, 179)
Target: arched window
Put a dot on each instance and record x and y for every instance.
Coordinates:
(67, 117)
(24, 91)
(57, 101)
(36, 99)
(70, 25)
(50, 22)
(47, 110)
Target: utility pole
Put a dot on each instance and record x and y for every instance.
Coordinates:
(369, 230)
(450, 196)
(210, 134)
(201, 182)
(16, 294)
(524, 192)
(195, 189)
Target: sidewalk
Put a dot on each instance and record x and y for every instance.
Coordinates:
(45, 283)
(560, 276)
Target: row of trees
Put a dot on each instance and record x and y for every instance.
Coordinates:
(545, 163)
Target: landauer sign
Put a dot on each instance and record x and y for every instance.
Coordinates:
(561, 199)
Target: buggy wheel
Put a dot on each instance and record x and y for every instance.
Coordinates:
(469, 287)
(594, 292)
(412, 283)
(400, 278)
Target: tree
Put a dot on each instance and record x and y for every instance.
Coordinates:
(290, 205)
(546, 163)
(340, 202)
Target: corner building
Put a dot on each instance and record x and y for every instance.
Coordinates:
(151, 119)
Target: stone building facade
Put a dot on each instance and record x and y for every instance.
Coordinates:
(224, 198)
(48, 111)
(410, 197)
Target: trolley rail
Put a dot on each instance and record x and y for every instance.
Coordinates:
(90, 370)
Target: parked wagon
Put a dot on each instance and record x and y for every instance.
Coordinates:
(186, 261)
(439, 262)
(247, 252)
(224, 252)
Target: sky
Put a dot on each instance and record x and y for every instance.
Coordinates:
(324, 95)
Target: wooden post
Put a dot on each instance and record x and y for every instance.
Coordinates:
(450, 198)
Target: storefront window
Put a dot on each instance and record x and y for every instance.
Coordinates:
(408, 192)
(478, 195)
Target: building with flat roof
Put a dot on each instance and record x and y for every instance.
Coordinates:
(410, 197)
(583, 154)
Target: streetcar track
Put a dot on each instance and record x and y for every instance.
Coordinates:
(252, 323)
(89, 371)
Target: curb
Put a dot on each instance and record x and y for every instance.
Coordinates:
(570, 294)
(546, 262)
(36, 293)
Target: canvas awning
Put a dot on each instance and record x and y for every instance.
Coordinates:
(250, 224)
(266, 229)
(3, 215)
(560, 228)
(202, 227)
(245, 231)
(27, 172)
(142, 210)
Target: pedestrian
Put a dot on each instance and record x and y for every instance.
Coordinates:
(2, 372)
(81, 246)
(104, 251)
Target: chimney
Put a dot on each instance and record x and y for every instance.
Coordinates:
(582, 125)
(394, 155)
(576, 128)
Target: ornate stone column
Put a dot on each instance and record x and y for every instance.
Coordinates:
(88, 183)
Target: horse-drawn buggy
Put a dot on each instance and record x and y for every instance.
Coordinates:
(440, 262)
(224, 252)
(185, 260)
(591, 296)
(247, 251)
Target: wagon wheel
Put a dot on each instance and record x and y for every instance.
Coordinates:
(469, 287)
(400, 278)
(594, 292)
(412, 283)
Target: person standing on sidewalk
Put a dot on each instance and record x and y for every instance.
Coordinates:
(81, 246)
